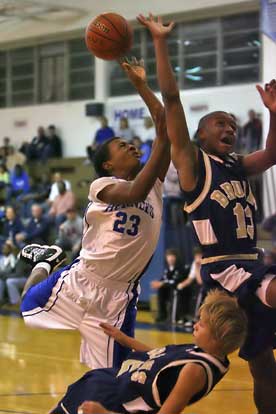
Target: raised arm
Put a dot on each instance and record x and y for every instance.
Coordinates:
(260, 161)
(123, 339)
(184, 153)
(191, 380)
(136, 73)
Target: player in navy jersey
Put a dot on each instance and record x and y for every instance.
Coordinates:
(166, 379)
(222, 211)
(121, 230)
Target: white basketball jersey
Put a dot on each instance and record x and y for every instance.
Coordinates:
(119, 239)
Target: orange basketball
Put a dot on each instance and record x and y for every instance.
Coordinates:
(109, 36)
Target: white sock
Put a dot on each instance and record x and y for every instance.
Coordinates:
(43, 265)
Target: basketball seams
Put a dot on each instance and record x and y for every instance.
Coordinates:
(102, 35)
(108, 36)
(113, 25)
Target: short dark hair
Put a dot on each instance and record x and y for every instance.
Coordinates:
(204, 119)
(102, 155)
(172, 252)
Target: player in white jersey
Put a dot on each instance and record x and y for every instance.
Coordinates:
(122, 223)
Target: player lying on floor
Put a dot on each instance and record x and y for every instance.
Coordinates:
(165, 379)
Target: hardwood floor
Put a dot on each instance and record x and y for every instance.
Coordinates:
(37, 366)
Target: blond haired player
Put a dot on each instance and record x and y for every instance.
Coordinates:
(168, 379)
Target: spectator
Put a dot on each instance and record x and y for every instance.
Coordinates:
(102, 135)
(145, 149)
(270, 257)
(194, 276)
(252, 132)
(124, 131)
(54, 147)
(148, 132)
(54, 187)
(15, 282)
(4, 176)
(11, 227)
(240, 143)
(37, 146)
(14, 158)
(39, 193)
(269, 225)
(19, 183)
(6, 147)
(165, 287)
(36, 230)
(70, 233)
(62, 203)
(7, 265)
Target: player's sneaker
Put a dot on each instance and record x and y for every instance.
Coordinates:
(35, 253)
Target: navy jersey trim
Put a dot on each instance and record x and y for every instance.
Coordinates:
(207, 368)
(206, 188)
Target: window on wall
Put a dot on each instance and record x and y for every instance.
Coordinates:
(212, 52)
(119, 83)
(54, 72)
(51, 73)
(241, 49)
(21, 71)
(198, 46)
(81, 71)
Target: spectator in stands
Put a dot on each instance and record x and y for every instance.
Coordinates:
(194, 276)
(7, 265)
(14, 158)
(240, 142)
(12, 225)
(270, 257)
(39, 193)
(54, 187)
(102, 135)
(148, 132)
(37, 229)
(269, 225)
(19, 183)
(124, 131)
(37, 146)
(15, 281)
(70, 233)
(5, 149)
(252, 132)
(4, 176)
(145, 149)
(54, 147)
(63, 202)
(165, 287)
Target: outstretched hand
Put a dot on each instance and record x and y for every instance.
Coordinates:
(134, 69)
(268, 95)
(156, 27)
(113, 332)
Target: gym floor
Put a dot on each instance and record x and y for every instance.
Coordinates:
(37, 366)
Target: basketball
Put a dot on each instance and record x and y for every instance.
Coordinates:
(109, 36)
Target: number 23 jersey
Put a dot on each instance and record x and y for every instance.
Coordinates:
(120, 239)
(222, 207)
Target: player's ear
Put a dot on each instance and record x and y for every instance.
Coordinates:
(107, 165)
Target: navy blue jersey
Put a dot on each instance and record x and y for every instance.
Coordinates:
(144, 380)
(222, 207)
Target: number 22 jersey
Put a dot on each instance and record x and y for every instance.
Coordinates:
(120, 239)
